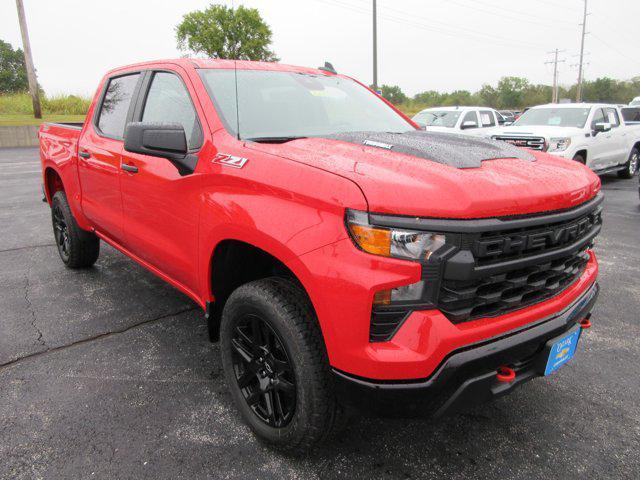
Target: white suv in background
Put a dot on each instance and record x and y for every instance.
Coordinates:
(590, 133)
(477, 121)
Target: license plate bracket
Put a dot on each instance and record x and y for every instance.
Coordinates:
(561, 349)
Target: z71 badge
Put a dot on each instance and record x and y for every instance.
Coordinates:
(229, 160)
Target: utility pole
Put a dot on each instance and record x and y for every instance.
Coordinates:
(375, 46)
(28, 60)
(555, 61)
(584, 32)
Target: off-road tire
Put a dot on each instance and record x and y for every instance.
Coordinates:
(77, 248)
(285, 307)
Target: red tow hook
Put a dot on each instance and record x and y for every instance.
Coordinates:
(506, 374)
(585, 323)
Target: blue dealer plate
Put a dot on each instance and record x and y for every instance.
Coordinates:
(562, 351)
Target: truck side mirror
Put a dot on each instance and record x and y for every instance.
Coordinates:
(164, 140)
(602, 127)
(468, 124)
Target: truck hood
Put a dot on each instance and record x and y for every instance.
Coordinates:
(543, 131)
(411, 184)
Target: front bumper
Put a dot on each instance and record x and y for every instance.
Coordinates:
(468, 375)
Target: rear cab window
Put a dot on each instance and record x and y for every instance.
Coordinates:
(115, 104)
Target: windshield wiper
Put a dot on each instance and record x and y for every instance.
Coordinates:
(273, 139)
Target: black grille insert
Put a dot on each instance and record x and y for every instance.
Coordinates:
(504, 292)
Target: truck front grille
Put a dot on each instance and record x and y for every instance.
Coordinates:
(517, 264)
(534, 143)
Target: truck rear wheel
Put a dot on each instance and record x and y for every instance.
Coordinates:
(276, 365)
(631, 167)
(77, 248)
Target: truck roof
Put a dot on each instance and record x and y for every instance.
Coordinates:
(574, 105)
(456, 109)
(198, 63)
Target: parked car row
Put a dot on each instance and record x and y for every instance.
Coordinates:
(476, 121)
(604, 137)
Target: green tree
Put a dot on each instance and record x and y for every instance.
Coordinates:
(393, 93)
(511, 92)
(223, 32)
(488, 96)
(429, 98)
(459, 98)
(13, 73)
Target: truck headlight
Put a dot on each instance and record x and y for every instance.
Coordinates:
(391, 242)
(558, 144)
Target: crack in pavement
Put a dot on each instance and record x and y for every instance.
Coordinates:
(32, 310)
(28, 247)
(93, 338)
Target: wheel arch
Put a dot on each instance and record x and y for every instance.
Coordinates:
(234, 261)
(583, 153)
(52, 183)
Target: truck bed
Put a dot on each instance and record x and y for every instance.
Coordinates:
(59, 145)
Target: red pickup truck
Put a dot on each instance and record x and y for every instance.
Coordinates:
(343, 257)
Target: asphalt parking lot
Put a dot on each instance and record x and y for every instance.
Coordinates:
(108, 373)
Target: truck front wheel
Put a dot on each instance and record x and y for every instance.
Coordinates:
(631, 167)
(276, 365)
(77, 248)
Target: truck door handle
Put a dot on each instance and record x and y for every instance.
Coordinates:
(129, 168)
(84, 154)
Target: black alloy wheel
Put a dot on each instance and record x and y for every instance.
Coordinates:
(61, 233)
(263, 371)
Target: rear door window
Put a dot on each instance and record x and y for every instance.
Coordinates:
(168, 101)
(487, 118)
(115, 105)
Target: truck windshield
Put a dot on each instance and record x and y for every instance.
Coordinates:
(437, 118)
(284, 105)
(554, 117)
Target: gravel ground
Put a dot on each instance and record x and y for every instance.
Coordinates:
(94, 385)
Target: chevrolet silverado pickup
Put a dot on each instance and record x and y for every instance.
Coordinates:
(343, 257)
(596, 135)
(474, 121)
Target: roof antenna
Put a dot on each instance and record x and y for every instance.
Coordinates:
(235, 74)
(328, 68)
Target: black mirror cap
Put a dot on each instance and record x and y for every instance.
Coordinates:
(164, 140)
(157, 139)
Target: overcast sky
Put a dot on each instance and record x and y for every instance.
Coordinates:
(423, 44)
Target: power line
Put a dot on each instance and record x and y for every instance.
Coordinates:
(526, 17)
(499, 12)
(432, 28)
(635, 60)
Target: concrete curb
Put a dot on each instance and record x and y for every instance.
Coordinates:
(19, 136)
